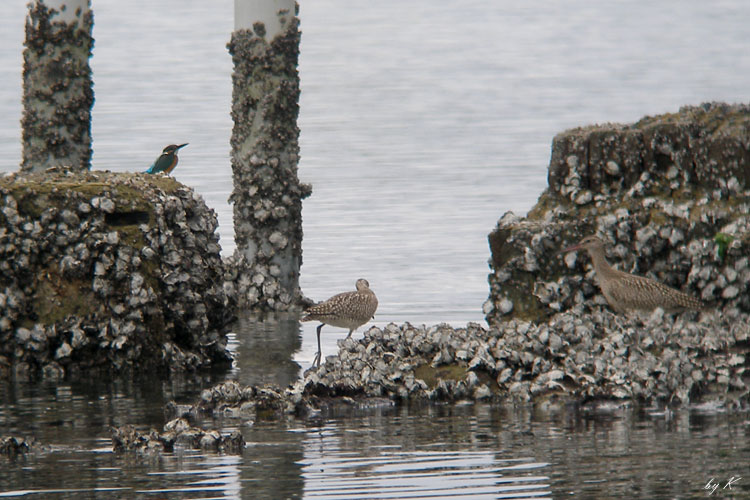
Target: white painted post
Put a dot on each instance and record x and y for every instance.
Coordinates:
(274, 14)
(66, 11)
(267, 194)
(57, 85)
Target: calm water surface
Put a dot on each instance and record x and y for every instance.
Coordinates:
(421, 123)
(430, 451)
(443, 451)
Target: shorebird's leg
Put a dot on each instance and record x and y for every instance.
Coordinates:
(316, 361)
(350, 333)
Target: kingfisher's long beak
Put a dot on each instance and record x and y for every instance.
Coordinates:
(181, 146)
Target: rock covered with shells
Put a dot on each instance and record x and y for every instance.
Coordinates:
(250, 403)
(585, 354)
(669, 195)
(107, 270)
(264, 271)
(268, 402)
(177, 433)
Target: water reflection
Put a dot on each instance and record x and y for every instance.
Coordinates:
(69, 410)
(214, 474)
(264, 349)
(71, 420)
(409, 451)
(272, 462)
(420, 452)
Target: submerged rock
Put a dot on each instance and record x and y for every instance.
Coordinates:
(12, 446)
(251, 403)
(176, 434)
(106, 270)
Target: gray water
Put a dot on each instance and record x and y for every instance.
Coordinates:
(384, 452)
(421, 123)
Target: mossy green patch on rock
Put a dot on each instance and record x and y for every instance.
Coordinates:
(454, 372)
(433, 375)
(56, 298)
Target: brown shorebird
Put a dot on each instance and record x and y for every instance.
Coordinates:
(627, 292)
(344, 310)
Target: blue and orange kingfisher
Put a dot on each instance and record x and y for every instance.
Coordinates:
(167, 161)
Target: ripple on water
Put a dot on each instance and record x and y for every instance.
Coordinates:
(390, 472)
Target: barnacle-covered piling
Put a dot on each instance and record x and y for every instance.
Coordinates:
(267, 195)
(57, 86)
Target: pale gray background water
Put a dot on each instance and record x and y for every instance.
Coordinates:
(422, 122)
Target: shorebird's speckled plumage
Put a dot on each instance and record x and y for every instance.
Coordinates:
(344, 310)
(627, 292)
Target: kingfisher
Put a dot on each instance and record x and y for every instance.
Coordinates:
(167, 161)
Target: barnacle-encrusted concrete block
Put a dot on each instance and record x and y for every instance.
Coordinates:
(106, 270)
(670, 195)
(267, 194)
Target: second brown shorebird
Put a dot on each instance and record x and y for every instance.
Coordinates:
(344, 310)
(626, 292)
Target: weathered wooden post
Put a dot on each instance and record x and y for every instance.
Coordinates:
(267, 193)
(57, 85)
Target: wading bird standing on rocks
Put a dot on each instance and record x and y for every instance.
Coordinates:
(628, 292)
(344, 310)
(167, 161)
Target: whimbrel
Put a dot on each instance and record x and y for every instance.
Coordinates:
(344, 310)
(627, 292)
